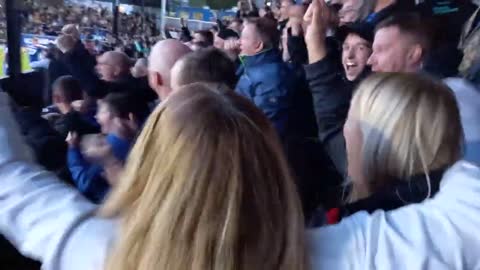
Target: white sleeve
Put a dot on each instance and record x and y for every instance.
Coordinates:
(439, 234)
(341, 246)
(37, 211)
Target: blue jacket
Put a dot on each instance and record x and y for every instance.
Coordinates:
(88, 177)
(268, 82)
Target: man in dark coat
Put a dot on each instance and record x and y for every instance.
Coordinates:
(111, 73)
(333, 79)
(281, 92)
(265, 79)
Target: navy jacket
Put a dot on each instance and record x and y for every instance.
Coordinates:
(88, 177)
(268, 82)
(281, 91)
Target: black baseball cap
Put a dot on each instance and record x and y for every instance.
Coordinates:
(362, 29)
(227, 33)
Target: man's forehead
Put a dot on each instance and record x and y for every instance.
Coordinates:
(356, 39)
(388, 33)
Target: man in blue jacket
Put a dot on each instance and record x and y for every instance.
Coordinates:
(282, 94)
(264, 77)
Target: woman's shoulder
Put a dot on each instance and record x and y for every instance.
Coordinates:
(88, 245)
(438, 233)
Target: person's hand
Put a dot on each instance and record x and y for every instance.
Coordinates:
(77, 105)
(183, 22)
(232, 45)
(318, 18)
(73, 140)
(296, 27)
(96, 149)
(51, 116)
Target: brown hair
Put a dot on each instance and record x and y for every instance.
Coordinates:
(194, 197)
(267, 30)
(205, 65)
(412, 25)
(68, 87)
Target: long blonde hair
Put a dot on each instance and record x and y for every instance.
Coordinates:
(410, 125)
(207, 186)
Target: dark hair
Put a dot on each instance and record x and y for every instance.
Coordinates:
(208, 65)
(410, 24)
(208, 35)
(236, 20)
(69, 87)
(268, 31)
(123, 104)
(201, 44)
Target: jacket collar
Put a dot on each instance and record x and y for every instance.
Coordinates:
(267, 56)
(401, 193)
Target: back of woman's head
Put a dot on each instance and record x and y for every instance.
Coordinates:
(207, 187)
(410, 125)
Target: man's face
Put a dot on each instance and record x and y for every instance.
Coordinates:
(391, 51)
(250, 42)
(355, 53)
(105, 69)
(284, 5)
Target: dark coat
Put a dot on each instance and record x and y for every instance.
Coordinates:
(396, 195)
(82, 67)
(269, 83)
(280, 90)
(331, 93)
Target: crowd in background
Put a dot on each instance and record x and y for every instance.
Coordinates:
(315, 135)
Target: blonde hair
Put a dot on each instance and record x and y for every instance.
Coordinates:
(207, 186)
(410, 125)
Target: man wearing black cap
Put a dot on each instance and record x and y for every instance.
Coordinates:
(332, 78)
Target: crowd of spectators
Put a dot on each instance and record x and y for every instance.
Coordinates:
(314, 135)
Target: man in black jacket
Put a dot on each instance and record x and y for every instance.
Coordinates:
(111, 73)
(332, 80)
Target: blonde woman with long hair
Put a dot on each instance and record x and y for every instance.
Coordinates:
(206, 186)
(402, 133)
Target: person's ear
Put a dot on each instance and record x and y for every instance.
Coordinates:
(415, 54)
(260, 46)
(155, 79)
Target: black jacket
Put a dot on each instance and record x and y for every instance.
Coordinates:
(49, 148)
(84, 70)
(331, 93)
(396, 195)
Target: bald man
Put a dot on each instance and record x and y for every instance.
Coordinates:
(110, 74)
(163, 57)
(113, 66)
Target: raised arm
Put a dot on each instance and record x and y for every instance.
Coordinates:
(330, 92)
(37, 211)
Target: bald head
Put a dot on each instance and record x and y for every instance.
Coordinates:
(112, 66)
(72, 30)
(163, 57)
(65, 43)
